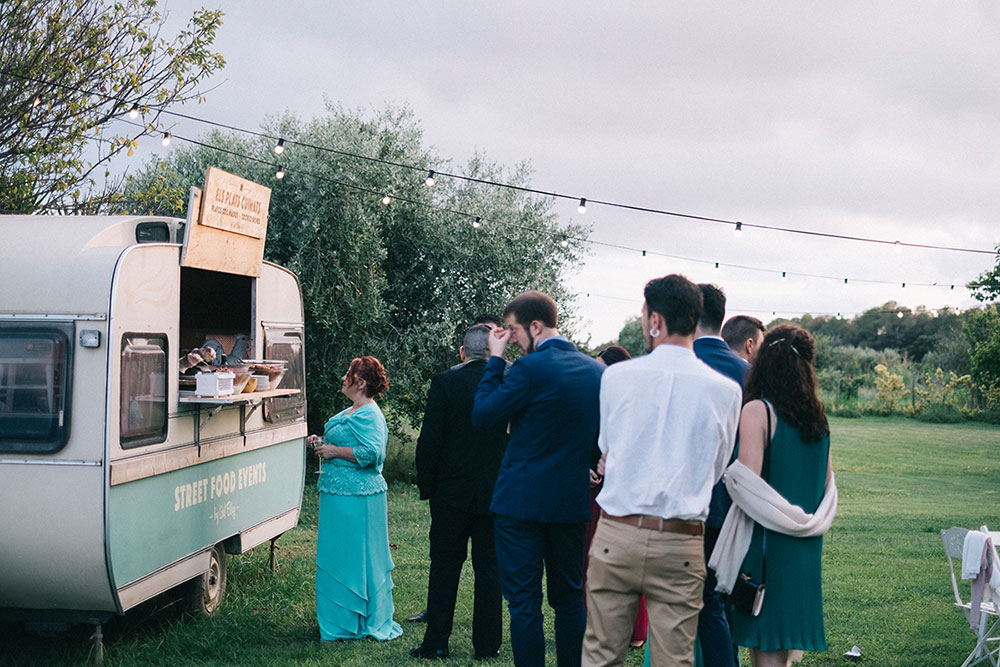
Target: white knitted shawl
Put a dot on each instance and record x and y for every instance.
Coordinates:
(755, 500)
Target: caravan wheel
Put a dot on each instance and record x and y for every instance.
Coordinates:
(205, 593)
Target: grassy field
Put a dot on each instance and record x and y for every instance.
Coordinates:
(886, 580)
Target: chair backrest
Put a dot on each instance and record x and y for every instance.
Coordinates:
(954, 542)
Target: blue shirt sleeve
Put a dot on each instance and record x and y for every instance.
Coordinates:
(499, 397)
(367, 435)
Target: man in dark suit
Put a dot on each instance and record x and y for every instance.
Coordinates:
(542, 494)
(713, 627)
(457, 466)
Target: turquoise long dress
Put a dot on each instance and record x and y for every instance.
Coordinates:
(353, 563)
(792, 614)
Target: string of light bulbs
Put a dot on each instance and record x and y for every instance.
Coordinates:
(387, 197)
(432, 175)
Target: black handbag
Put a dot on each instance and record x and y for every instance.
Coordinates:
(748, 595)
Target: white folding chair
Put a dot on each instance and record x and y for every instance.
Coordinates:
(988, 636)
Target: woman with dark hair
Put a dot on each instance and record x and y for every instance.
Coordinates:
(353, 563)
(785, 439)
(612, 354)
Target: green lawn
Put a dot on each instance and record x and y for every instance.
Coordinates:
(885, 576)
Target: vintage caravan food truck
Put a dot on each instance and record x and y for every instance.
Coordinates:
(117, 483)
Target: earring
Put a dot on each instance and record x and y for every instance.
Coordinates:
(653, 333)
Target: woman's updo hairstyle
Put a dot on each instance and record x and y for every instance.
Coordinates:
(783, 373)
(372, 372)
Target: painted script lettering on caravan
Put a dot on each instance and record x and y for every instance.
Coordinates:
(235, 204)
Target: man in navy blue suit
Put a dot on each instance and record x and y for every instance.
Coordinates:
(542, 495)
(713, 627)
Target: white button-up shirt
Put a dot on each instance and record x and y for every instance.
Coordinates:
(668, 426)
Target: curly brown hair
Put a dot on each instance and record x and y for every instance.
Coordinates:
(372, 372)
(783, 373)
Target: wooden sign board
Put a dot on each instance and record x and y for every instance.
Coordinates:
(227, 225)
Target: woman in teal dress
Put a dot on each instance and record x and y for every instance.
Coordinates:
(796, 463)
(353, 564)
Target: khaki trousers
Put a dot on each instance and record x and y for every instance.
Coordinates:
(626, 562)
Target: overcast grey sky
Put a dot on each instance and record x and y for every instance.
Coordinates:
(876, 119)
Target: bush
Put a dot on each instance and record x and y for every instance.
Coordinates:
(940, 413)
(849, 411)
(400, 460)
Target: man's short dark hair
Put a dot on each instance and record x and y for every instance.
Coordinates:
(740, 329)
(488, 318)
(713, 309)
(677, 300)
(530, 306)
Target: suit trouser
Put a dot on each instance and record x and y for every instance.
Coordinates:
(523, 549)
(451, 529)
(626, 562)
(713, 627)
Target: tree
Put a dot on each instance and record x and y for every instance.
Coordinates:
(987, 286)
(982, 330)
(630, 337)
(401, 282)
(71, 66)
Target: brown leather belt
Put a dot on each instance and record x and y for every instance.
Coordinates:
(659, 523)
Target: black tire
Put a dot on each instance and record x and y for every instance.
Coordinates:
(204, 594)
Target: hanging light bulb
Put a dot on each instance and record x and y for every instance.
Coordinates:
(386, 200)
(279, 147)
(429, 181)
(477, 223)
(845, 282)
(281, 173)
(564, 243)
(716, 267)
(904, 285)
(899, 314)
(898, 246)
(644, 254)
(738, 231)
(582, 208)
(166, 139)
(133, 113)
(784, 276)
(952, 287)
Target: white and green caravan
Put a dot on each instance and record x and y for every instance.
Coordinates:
(116, 488)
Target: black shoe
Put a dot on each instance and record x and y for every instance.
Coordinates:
(419, 617)
(428, 653)
(487, 656)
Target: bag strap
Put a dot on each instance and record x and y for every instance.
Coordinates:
(765, 474)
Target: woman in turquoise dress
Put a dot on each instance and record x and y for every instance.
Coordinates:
(796, 463)
(353, 563)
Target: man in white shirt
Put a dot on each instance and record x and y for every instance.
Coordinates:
(668, 425)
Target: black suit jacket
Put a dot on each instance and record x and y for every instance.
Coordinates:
(457, 463)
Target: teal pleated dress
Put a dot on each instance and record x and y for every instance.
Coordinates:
(792, 613)
(353, 563)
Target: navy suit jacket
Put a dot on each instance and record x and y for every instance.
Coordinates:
(551, 399)
(717, 354)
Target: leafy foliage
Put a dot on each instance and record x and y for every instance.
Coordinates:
(630, 337)
(982, 329)
(987, 286)
(71, 66)
(400, 282)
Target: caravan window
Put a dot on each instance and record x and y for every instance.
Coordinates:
(34, 386)
(285, 341)
(144, 389)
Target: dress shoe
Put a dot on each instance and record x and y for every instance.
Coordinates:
(419, 617)
(487, 656)
(428, 653)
